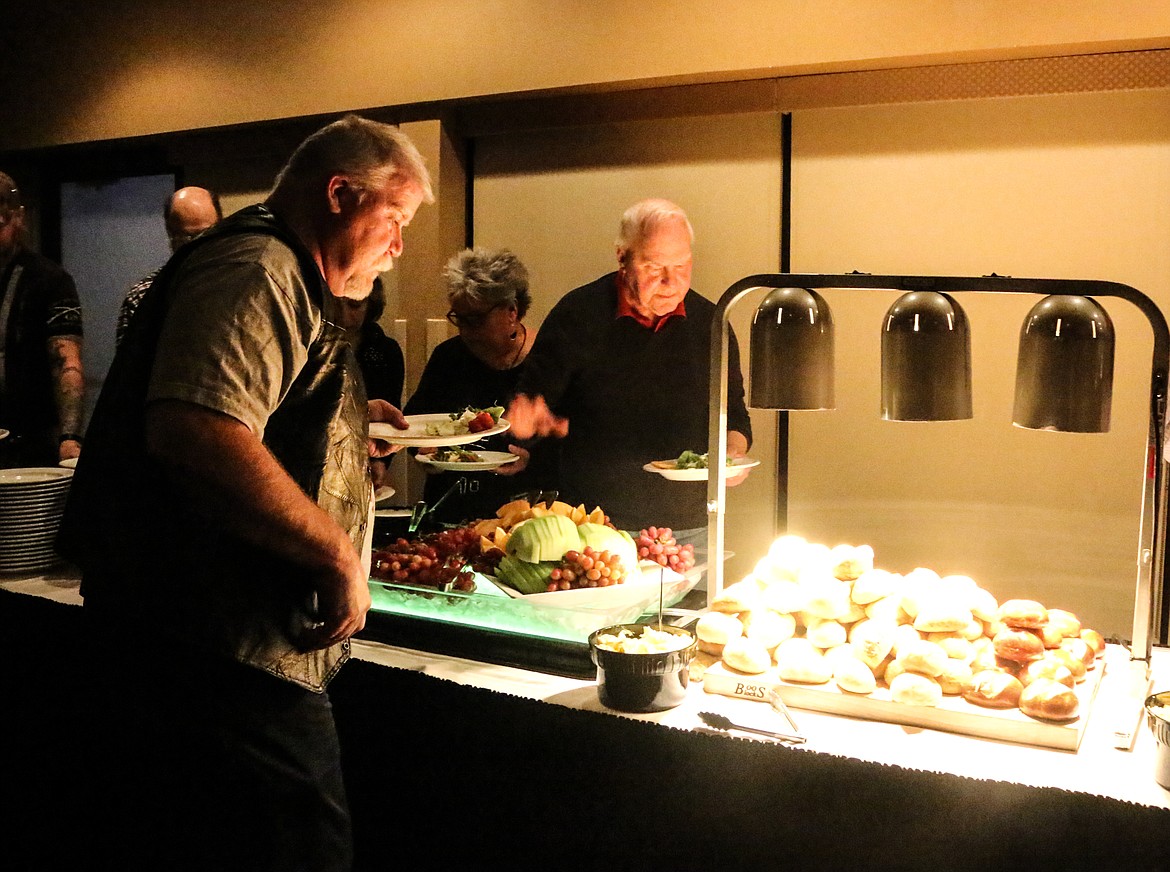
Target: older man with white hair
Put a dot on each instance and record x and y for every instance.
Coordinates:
(620, 372)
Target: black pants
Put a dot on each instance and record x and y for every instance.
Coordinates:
(201, 763)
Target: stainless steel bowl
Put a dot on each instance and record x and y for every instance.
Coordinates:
(649, 682)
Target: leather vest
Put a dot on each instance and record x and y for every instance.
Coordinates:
(150, 560)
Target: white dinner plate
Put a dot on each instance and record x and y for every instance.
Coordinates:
(490, 460)
(737, 465)
(69, 463)
(383, 493)
(416, 435)
(3, 433)
(34, 475)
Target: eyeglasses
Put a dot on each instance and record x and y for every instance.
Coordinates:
(471, 319)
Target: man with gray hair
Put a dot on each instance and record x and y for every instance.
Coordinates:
(42, 386)
(620, 372)
(223, 505)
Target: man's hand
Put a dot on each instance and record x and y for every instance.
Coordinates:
(230, 475)
(343, 598)
(517, 465)
(737, 446)
(386, 413)
(530, 417)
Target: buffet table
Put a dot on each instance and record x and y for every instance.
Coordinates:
(474, 764)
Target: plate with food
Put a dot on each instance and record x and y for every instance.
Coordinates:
(455, 459)
(692, 466)
(443, 429)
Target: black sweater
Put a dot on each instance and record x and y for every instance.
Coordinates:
(631, 395)
(453, 379)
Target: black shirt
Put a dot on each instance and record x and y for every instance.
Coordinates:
(632, 395)
(453, 379)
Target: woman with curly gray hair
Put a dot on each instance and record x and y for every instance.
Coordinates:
(488, 296)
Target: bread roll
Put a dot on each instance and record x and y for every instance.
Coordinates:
(1018, 645)
(828, 598)
(1080, 649)
(1023, 614)
(983, 605)
(923, 657)
(717, 628)
(1066, 658)
(699, 665)
(1051, 635)
(918, 584)
(994, 689)
(767, 627)
(785, 557)
(747, 655)
(848, 562)
(1049, 700)
(873, 640)
(1046, 667)
(888, 608)
(1095, 640)
(715, 649)
(798, 660)
(973, 630)
(1065, 622)
(825, 634)
(743, 596)
(955, 677)
(957, 647)
(854, 676)
(786, 597)
(911, 688)
(873, 585)
(941, 612)
(905, 635)
(838, 653)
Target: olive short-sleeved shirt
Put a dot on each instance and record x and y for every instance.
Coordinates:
(240, 353)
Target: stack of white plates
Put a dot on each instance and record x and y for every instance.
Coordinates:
(32, 501)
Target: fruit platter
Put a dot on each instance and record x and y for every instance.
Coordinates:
(545, 570)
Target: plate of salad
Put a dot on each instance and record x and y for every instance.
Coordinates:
(453, 458)
(692, 466)
(443, 429)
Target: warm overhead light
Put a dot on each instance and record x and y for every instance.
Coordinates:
(1064, 372)
(926, 359)
(792, 351)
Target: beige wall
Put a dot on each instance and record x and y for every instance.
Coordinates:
(1058, 187)
(121, 68)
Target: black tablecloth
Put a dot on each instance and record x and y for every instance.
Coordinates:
(445, 776)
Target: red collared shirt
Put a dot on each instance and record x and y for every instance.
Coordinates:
(650, 322)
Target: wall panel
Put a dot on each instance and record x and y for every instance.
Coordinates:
(1063, 186)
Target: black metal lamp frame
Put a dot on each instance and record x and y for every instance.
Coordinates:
(1148, 622)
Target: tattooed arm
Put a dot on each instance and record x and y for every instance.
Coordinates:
(68, 389)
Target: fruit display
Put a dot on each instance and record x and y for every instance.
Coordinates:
(658, 544)
(551, 553)
(812, 615)
(446, 559)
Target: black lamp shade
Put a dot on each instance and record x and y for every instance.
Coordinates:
(926, 359)
(792, 351)
(1064, 373)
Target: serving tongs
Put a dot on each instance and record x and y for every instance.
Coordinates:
(721, 722)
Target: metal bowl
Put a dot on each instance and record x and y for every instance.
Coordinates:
(1158, 718)
(642, 682)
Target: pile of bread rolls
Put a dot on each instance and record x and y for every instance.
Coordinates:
(820, 615)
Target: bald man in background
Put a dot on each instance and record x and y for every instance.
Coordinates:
(187, 213)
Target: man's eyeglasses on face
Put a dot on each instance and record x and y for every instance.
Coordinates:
(470, 319)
